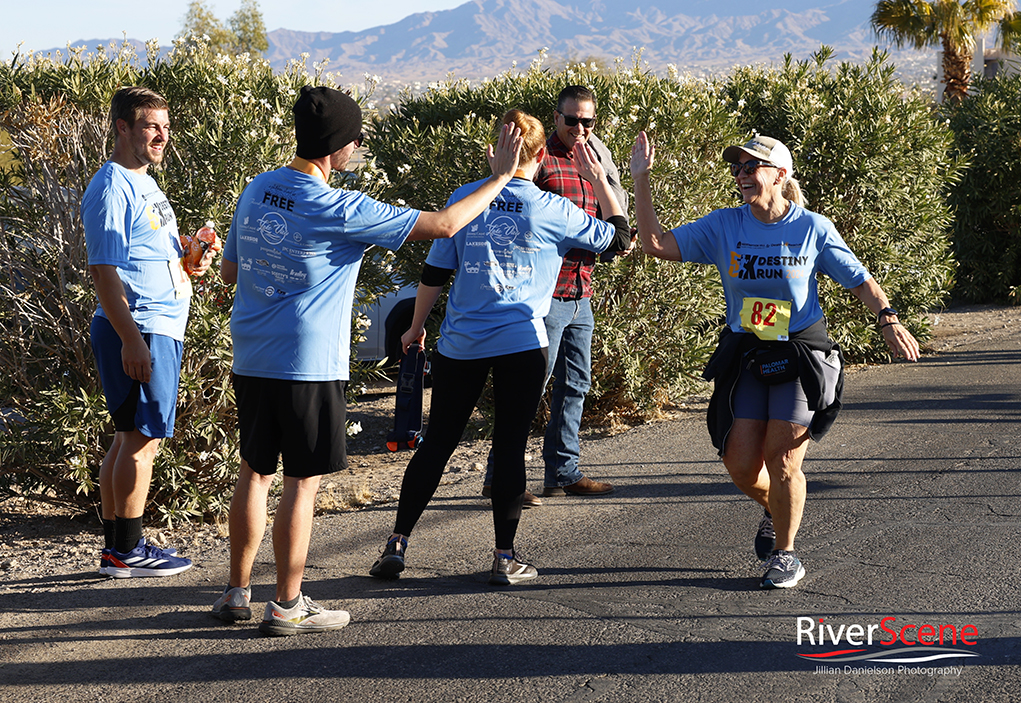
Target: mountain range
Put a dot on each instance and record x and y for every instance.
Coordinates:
(486, 37)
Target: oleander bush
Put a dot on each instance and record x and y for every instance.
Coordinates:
(231, 119)
(987, 225)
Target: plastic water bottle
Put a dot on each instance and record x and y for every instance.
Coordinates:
(195, 246)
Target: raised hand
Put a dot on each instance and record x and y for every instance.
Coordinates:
(503, 160)
(643, 155)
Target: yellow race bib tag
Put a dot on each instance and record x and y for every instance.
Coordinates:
(768, 319)
(182, 281)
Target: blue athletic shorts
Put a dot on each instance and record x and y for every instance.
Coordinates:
(303, 421)
(148, 407)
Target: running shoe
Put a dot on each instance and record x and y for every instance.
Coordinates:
(234, 604)
(391, 562)
(306, 616)
(507, 571)
(783, 570)
(104, 559)
(765, 538)
(144, 560)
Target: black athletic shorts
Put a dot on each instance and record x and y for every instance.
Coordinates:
(304, 421)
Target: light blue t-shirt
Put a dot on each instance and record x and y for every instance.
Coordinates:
(506, 263)
(298, 244)
(129, 224)
(778, 261)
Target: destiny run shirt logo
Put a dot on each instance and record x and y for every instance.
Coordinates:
(753, 267)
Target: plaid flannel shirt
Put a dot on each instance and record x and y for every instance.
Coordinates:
(557, 174)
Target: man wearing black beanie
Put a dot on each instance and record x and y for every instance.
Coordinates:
(294, 249)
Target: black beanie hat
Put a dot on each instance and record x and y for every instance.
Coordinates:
(325, 120)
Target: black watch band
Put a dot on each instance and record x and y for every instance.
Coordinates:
(885, 311)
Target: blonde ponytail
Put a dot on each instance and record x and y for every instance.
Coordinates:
(792, 191)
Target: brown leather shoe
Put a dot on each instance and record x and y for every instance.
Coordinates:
(530, 501)
(588, 487)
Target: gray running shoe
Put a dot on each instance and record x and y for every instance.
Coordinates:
(306, 616)
(391, 562)
(783, 570)
(234, 604)
(765, 538)
(510, 571)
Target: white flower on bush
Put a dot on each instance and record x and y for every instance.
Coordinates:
(353, 428)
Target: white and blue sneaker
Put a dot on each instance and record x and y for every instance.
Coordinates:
(783, 570)
(104, 559)
(144, 560)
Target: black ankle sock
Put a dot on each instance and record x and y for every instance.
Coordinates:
(128, 530)
(291, 603)
(108, 534)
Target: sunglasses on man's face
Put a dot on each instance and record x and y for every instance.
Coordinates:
(360, 139)
(749, 167)
(572, 121)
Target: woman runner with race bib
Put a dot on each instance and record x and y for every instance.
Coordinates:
(778, 377)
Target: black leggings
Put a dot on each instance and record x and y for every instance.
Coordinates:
(457, 385)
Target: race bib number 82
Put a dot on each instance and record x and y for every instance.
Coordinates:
(768, 319)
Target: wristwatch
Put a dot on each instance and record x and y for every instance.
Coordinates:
(885, 311)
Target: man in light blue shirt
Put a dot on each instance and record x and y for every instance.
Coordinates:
(294, 250)
(138, 329)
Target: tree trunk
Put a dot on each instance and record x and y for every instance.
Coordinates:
(956, 70)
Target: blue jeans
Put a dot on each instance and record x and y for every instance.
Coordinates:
(569, 326)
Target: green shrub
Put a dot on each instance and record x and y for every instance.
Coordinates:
(876, 161)
(987, 203)
(231, 120)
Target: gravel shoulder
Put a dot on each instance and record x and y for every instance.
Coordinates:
(36, 540)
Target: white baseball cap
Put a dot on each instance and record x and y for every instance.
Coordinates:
(765, 149)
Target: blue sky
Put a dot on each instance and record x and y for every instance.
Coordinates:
(46, 24)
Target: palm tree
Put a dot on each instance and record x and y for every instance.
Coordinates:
(951, 25)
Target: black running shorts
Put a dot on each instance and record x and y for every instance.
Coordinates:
(303, 421)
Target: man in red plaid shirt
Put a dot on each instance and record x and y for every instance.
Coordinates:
(570, 323)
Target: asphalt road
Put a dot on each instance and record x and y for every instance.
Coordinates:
(648, 594)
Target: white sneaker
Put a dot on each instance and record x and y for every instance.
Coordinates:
(510, 571)
(306, 616)
(233, 605)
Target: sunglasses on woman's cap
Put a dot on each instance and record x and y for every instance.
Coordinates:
(572, 121)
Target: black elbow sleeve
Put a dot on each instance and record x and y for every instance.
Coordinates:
(435, 276)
